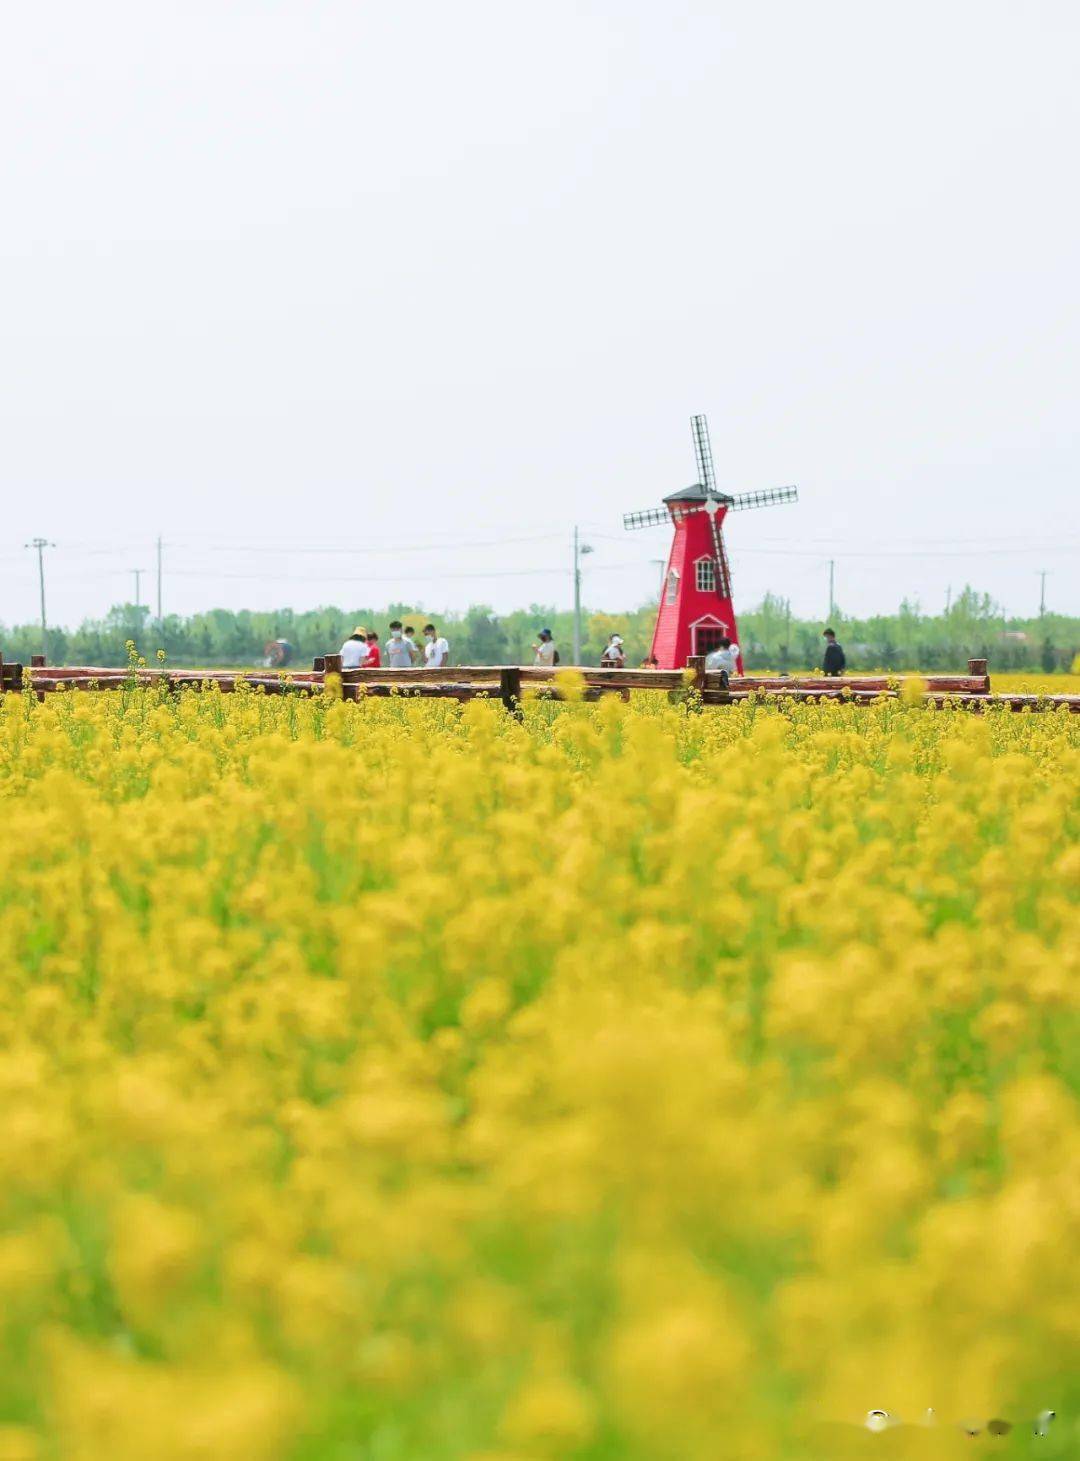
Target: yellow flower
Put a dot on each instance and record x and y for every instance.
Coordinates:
(618, 1078)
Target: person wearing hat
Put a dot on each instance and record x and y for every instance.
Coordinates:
(354, 651)
(614, 656)
(545, 655)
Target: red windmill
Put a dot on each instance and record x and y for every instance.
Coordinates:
(695, 610)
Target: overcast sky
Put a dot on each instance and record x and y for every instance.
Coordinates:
(425, 283)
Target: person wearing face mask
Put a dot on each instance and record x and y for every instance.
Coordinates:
(436, 649)
(399, 650)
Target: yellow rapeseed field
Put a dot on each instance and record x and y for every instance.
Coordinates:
(1034, 684)
(401, 1082)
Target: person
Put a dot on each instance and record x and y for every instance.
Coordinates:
(410, 640)
(354, 651)
(724, 658)
(835, 660)
(436, 649)
(399, 651)
(614, 656)
(650, 662)
(374, 653)
(545, 655)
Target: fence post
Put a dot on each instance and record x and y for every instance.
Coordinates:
(696, 665)
(980, 667)
(318, 664)
(331, 666)
(510, 690)
(37, 662)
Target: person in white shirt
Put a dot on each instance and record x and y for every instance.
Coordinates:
(399, 650)
(724, 657)
(436, 649)
(354, 651)
(544, 652)
(614, 656)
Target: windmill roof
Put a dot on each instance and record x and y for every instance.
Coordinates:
(694, 493)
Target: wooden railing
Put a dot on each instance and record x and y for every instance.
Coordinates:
(511, 684)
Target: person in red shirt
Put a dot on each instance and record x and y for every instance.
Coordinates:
(374, 653)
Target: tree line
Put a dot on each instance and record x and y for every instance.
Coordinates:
(771, 637)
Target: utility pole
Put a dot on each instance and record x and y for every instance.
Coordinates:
(159, 619)
(580, 549)
(1042, 592)
(832, 600)
(787, 636)
(948, 598)
(41, 544)
(138, 572)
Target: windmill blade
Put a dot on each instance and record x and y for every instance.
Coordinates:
(723, 568)
(652, 517)
(771, 497)
(703, 451)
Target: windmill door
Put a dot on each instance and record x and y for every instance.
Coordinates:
(706, 636)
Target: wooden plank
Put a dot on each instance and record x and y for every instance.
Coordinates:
(610, 679)
(794, 694)
(941, 684)
(144, 672)
(418, 675)
(1036, 702)
(47, 684)
(433, 690)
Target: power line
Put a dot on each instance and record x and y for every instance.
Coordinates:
(831, 546)
(395, 577)
(398, 549)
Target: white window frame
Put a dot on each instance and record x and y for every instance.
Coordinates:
(701, 567)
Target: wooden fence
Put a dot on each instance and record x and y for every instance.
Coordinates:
(511, 684)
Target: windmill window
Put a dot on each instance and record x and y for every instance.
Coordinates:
(705, 575)
(672, 585)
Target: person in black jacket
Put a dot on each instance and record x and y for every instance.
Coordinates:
(835, 659)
